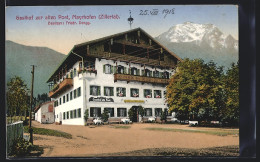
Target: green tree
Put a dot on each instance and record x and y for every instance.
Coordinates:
(105, 115)
(231, 111)
(17, 97)
(195, 91)
(86, 114)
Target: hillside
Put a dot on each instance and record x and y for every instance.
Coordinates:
(18, 61)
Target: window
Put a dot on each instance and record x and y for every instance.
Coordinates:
(75, 113)
(64, 115)
(108, 69)
(64, 99)
(166, 110)
(110, 111)
(79, 91)
(71, 74)
(165, 75)
(157, 94)
(108, 91)
(75, 93)
(75, 72)
(95, 90)
(60, 101)
(148, 73)
(68, 114)
(158, 111)
(148, 112)
(120, 92)
(147, 93)
(121, 69)
(79, 113)
(121, 112)
(134, 92)
(95, 112)
(56, 103)
(67, 97)
(156, 74)
(135, 71)
(71, 96)
(71, 114)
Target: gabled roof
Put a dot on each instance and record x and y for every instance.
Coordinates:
(70, 55)
(39, 106)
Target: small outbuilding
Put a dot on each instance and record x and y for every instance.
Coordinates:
(44, 113)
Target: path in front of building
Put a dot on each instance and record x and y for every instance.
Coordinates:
(89, 140)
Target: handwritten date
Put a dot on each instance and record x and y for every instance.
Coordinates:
(154, 12)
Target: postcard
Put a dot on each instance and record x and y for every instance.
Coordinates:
(122, 81)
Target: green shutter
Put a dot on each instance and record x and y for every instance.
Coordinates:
(142, 72)
(115, 70)
(98, 90)
(112, 69)
(124, 70)
(138, 71)
(160, 74)
(129, 71)
(104, 67)
(112, 91)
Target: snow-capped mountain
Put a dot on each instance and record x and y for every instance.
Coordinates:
(204, 41)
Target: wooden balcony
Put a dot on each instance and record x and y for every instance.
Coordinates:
(66, 83)
(142, 79)
(133, 59)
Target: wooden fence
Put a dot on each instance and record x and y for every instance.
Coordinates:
(13, 131)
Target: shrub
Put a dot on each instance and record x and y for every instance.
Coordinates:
(104, 116)
(20, 147)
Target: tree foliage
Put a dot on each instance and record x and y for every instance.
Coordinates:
(201, 91)
(17, 97)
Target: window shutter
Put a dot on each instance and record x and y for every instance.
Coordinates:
(142, 72)
(129, 71)
(160, 74)
(138, 71)
(124, 112)
(112, 92)
(91, 112)
(91, 90)
(111, 69)
(125, 70)
(98, 90)
(104, 68)
(104, 91)
(115, 70)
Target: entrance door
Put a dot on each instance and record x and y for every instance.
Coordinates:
(135, 113)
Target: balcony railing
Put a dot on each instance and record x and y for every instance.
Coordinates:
(66, 83)
(87, 70)
(143, 79)
(133, 59)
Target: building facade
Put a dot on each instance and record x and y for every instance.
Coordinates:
(44, 113)
(119, 72)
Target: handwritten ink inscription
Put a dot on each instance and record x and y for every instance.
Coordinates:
(155, 12)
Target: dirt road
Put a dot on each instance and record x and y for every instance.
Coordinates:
(89, 141)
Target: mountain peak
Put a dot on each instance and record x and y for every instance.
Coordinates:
(198, 33)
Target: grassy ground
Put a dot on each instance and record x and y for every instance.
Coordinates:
(226, 151)
(212, 132)
(48, 132)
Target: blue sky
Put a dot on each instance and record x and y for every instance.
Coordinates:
(63, 37)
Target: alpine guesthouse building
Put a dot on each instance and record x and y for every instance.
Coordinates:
(114, 73)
